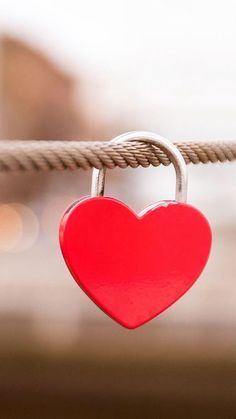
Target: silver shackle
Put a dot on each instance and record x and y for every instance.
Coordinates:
(98, 176)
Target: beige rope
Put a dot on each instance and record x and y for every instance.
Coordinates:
(35, 155)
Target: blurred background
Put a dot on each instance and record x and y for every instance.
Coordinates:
(89, 71)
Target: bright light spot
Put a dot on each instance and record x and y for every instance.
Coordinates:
(19, 227)
(11, 227)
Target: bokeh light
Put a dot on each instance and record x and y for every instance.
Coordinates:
(11, 227)
(19, 227)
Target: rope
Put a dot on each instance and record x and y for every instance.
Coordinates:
(40, 155)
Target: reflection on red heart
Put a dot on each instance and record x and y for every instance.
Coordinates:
(134, 266)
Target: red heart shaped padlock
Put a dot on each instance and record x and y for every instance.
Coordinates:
(135, 266)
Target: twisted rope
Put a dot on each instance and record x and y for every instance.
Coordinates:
(35, 155)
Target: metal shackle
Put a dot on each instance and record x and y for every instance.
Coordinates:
(98, 176)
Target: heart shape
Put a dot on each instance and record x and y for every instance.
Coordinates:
(134, 266)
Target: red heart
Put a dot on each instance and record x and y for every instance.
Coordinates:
(134, 266)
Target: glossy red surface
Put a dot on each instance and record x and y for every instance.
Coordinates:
(134, 266)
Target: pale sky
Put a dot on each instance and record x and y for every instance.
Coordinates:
(169, 65)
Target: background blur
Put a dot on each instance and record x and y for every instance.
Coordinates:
(91, 70)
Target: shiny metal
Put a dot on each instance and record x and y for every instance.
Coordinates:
(98, 176)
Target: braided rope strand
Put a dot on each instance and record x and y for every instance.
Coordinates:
(17, 155)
